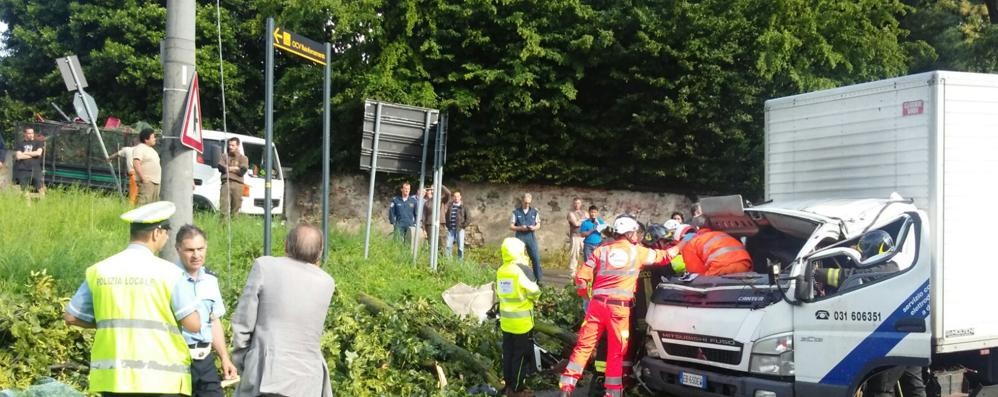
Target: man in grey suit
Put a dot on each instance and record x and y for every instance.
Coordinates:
(278, 323)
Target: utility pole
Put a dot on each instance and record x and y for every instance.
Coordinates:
(178, 69)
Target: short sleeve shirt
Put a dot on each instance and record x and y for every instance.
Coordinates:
(126, 152)
(81, 305)
(148, 162)
(587, 225)
(209, 302)
(25, 147)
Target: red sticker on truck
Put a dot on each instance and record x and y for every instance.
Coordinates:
(912, 108)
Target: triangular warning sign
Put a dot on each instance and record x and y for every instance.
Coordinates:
(191, 135)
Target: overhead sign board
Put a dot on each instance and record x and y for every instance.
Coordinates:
(299, 45)
(72, 72)
(191, 135)
(400, 139)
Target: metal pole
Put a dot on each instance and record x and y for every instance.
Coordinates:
(93, 123)
(374, 170)
(422, 177)
(438, 176)
(178, 67)
(325, 156)
(268, 125)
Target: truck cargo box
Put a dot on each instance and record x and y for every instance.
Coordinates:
(931, 137)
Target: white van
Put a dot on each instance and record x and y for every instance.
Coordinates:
(208, 181)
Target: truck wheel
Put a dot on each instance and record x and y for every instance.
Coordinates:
(202, 205)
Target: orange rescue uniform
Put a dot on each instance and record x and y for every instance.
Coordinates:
(715, 253)
(612, 271)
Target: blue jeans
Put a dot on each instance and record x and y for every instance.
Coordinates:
(533, 252)
(587, 249)
(455, 234)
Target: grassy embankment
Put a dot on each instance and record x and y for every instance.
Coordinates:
(71, 229)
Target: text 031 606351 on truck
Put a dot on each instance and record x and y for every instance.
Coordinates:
(822, 313)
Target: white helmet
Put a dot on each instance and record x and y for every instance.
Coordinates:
(625, 224)
(671, 225)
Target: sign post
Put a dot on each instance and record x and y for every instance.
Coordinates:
(72, 75)
(312, 51)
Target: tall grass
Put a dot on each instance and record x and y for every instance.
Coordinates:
(71, 229)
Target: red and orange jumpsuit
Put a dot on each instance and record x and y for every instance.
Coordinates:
(715, 253)
(613, 271)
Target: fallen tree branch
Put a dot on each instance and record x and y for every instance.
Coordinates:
(377, 306)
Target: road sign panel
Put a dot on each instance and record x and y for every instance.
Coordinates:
(299, 45)
(191, 135)
(67, 67)
(85, 106)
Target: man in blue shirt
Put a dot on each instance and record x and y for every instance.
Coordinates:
(192, 250)
(590, 231)
(402, 212)
(525, 221)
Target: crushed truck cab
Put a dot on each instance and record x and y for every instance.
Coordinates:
(740, 334)
(912, 156)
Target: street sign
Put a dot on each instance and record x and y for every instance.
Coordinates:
(191, 135)
(85, 106)
(299, 45)
(67, 67)
(401, 134)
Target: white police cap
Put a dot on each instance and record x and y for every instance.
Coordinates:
(150, 214)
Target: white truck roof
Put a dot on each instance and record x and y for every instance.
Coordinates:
(932, 137)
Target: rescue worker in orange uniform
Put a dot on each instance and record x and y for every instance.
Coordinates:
(712, 253)
(609, 278)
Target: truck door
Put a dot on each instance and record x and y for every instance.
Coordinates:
(860, 314)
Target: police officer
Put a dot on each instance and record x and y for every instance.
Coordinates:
(192, 250)
(517, 293)
(402, 212)
(135, 301)
(525, 221)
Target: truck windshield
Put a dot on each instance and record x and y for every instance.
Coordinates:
(254, 152)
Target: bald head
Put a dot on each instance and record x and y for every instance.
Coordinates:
(304, 243)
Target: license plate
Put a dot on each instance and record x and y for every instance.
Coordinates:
(693, 380)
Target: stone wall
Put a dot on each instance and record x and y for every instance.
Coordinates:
(490, 207)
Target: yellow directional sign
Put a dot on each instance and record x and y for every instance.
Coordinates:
(299, 45)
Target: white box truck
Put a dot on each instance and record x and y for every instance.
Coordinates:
(909, 156)
(208, 180)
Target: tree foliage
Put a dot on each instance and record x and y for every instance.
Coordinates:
(646, 94)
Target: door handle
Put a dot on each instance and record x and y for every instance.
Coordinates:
(910, 324)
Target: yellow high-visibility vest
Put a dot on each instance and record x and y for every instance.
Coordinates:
(138, 347)
(516, 301)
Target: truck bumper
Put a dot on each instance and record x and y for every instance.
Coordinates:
(662, 376)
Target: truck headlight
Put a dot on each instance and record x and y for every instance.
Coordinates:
(773, 356)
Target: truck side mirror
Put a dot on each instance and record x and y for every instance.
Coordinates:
(804, 286)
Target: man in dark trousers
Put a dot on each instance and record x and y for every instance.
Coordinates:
(525, 221)
(233, 167)
(517, 293)
(28, 161)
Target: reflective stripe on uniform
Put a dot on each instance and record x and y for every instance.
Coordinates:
(138, 364)
(574, 367)
(613, 381)
(136, 323)
(618, 272)
(522, 314)
(706, 246)
(567, 381)
(722, 251)
(511, 300)
(615, 393)
(613, 291)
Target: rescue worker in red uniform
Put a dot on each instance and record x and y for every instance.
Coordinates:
(712, 253)
(609, 278)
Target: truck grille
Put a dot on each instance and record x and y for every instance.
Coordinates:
(704, 353)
